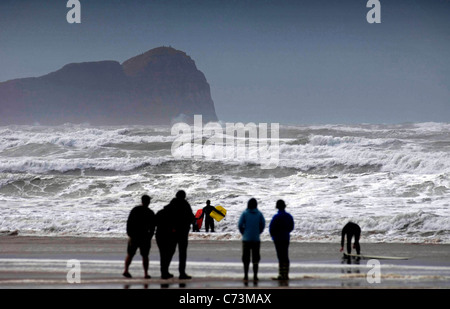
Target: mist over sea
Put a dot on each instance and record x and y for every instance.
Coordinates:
(82, 180)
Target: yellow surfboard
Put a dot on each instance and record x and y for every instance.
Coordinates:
(219, 213)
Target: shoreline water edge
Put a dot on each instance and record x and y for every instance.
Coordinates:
(44, 262)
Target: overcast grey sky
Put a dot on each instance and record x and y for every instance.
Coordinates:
(289, 61)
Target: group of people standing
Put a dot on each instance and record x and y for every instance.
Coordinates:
(252, 224)
(172, 226)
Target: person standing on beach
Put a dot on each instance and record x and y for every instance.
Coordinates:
(281, 226)
(140, 230)
(165, 237)
(173, 225)
(351, 230)
(251, 225)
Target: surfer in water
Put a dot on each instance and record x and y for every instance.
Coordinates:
(209, 221)
(351, 229)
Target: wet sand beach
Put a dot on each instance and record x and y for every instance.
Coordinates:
(42, 262)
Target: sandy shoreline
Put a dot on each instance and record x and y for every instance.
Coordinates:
(41, 262)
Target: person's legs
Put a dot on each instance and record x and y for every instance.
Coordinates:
(144, 248)
(246, 258)
(282, 248)
(256, 257)
(279, 250)
(182, 248)
(195, 227)
(145, 263)
(209, 224)
(357, 246)
(166, 251)
(128, 261)
(131, 251)
(349, 243)
(285, 260)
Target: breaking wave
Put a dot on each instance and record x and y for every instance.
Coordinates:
(82, 180)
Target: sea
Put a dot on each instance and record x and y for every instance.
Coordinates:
(83, 180)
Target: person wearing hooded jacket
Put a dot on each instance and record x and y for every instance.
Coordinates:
(281, 226)
(251, 225)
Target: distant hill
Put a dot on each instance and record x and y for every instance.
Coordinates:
(153, 88)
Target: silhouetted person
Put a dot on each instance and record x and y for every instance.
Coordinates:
(251, 225)
(165, 237)
(173, 225)
(351, 230)
(206, 214)
(140, 230)
(280, 228)
(195, 227)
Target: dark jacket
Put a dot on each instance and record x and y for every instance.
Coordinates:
(281, 226)
(141, 223)
(174, 219)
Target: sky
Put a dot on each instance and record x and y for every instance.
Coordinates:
(285, 61)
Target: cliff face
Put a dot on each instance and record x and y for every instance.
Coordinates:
(152, 88)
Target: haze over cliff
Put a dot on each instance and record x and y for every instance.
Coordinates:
(153, 88)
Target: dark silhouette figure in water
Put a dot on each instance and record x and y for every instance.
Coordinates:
(206, 214)
(251, 225)
(195, 227)
(280, 228)
(140, 229)
(351, 230)
(173, 225)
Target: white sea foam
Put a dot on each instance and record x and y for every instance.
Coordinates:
(82, 180)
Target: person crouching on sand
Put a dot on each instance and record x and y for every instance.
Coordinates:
(351, 230)
(251, 225)
(280, 228)
(140, 229)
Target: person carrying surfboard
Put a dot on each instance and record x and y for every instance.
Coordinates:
(351, 230)
(281, 226)
(251, 225)
(206, 214)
